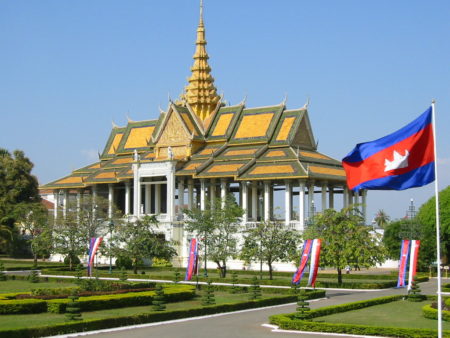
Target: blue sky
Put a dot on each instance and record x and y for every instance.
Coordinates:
(69, 68)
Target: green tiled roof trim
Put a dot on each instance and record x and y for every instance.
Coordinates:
(113, 133)
(129, 127)
(236, 111)
(298, 115)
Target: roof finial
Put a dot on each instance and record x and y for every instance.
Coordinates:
(200, 93)
(201, 12)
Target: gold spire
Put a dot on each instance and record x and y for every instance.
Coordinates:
(200, 93)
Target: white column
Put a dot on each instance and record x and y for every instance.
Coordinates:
(110, 200)
(310, 198)
(137, 196)
(223, 191)
(170, 195)
(212, 192)
(190, 193)
(255, 200)
(78, 204)
(202, 194)
(364, 204)
(267, 200)
(287, 202)
(331, 197)
(127, 197)
(356, 197)
(94, 199)
(244, 202)
(345, 197)
(56, 205)
(180, 196)
(324, 195)
(157, 199)
(65, 200)
(148, 199)
(301, 204)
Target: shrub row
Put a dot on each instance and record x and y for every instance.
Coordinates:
(288, 322)
(431, 313)
(173, 293)
(302, 325)
(98, 324)
(17, 306)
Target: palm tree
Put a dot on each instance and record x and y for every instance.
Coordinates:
(382, 219)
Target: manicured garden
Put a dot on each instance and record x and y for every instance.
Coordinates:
(44, 308)
(391, 316)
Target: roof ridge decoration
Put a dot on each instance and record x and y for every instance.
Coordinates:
(200, 93)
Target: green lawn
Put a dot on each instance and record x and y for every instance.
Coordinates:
(402, 313)
(31, 320)
(23, 285)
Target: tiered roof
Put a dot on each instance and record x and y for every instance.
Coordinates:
(240, 143)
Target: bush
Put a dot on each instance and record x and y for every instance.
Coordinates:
(75, 259)
(124, 262)
(431, 313)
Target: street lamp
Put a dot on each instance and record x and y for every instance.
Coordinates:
(111, 227)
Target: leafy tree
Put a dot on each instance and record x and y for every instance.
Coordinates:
(72, 232)
(427, 218)
(346, 240)
(218, 225)
(34, 220)
(139, 240)
(269, 242)
(17, 187)
(382, 219)
(402, 229)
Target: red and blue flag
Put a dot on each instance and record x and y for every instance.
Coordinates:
(192, 266)
(399, 161)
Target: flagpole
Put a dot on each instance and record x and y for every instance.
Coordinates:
(438, 247)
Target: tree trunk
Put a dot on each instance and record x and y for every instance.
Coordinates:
(34, 260)
(223, 271)
(339, 271)
(270, 270)
(135, 266)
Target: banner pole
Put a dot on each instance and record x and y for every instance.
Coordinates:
(438, 247)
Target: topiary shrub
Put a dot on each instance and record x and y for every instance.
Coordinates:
(176, 276)
(75, 259)
(208, 297)
(34, 275)
(234, 281)
(73, 308)
(255, 289)
(303, 310)
(159, 300)
(123, 274)
(3, 276)
(414, 293)
(124, 262)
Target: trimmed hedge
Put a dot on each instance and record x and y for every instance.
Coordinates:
(380, 281)
(12, 307)
(431, 313)
(173, 293)
(98, 324)
(288, 322)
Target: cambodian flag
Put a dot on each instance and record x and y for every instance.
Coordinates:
(401, 160)
(303, 261)
(192, 260)
(403, 263)
(413, 258)
(314, 265)
(93, 247)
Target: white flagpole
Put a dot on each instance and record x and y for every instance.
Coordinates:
(438, 247)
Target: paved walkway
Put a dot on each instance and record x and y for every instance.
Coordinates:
(247, 323)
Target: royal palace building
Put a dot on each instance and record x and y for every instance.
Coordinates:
(201, 149)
